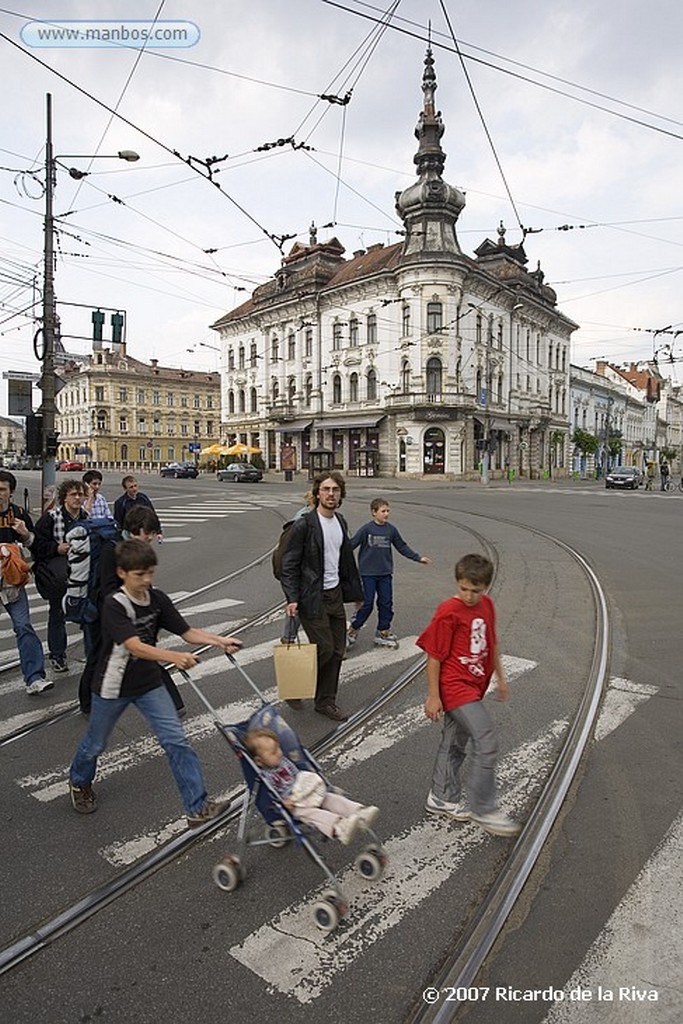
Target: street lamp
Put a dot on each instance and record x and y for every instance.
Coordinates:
(48, 381)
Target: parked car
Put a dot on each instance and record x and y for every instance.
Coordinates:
(180, 470)
(241, 472)
(624, 476)
(69, 466)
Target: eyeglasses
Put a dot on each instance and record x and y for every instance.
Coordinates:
(331, 490)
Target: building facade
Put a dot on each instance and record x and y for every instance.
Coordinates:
(412, 359)
(117, 412)
(12, 439)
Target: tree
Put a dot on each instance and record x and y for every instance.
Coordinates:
(586, 443)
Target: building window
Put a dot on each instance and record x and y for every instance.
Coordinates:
(252, 355)
(481, 399)
(169, 398)
(197, 428)
(171, 426)
(123, 424)
(353, 387)
(371, 326)
(141, 453)
(183, 401)
(156, 454)
(308, 388)
(141, 396)
(209, 401)
(291, 390)
(209, 428)
(156, 398)
(274, 349)
(241, 401)
(123, 394)
(142, 425)
(371, 385)
(183, 428)
(196, 402)
(336, 389)
(336, 337)
(99, 394)
(353, 332)
(308, 343)
(171, 453)
(434, 374)
(275, 390)
(434, 317)
(101, 421)
(405, 377)
(156, 427)
(500, 335)
(231, 402)
(405, 320)
(291, 346)
(231, 359)
(240, 357)
(500, 389)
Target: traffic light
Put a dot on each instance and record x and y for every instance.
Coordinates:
(117, 327)
(34, 434)
(51, 442)
(97, 324)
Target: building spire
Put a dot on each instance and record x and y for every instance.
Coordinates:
(430, 207)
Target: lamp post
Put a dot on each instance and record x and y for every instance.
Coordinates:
(48, 380)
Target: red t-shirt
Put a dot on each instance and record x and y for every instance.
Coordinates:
(463, 640)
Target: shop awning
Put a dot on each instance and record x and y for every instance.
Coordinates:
(495, 423)
(349, 422)
(294, 427)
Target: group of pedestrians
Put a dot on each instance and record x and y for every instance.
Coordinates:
(319, 575)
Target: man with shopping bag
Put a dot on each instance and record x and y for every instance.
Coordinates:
(319, 574)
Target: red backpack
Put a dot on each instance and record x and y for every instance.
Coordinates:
(14, 569)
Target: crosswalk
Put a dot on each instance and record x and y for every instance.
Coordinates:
(182, 514)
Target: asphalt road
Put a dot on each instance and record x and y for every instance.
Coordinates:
(177, 949)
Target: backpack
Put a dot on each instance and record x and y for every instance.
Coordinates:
(279, 552)
(14, 569)
(80, 603)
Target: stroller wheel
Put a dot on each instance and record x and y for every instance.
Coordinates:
(370, 864)
(326, 915)
(228, 874)
(277, 834)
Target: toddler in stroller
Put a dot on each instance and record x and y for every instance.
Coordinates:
(304, 793)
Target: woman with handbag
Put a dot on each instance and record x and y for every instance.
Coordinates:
(50, 549)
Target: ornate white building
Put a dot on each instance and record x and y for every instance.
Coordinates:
(410, 359)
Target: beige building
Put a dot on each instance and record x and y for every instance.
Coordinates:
(12, 438)
(117, 412)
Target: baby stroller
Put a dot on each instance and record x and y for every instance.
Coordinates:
(281, 827)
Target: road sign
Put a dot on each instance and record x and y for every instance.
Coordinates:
(19, 397)
(150, 444)
(193, 446)
(19, 375)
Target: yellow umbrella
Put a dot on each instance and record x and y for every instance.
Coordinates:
(242, 449)
(213, 449)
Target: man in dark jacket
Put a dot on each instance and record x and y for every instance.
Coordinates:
(319, 574)
(132, 497)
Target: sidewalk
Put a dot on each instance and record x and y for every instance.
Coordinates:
(382, 484)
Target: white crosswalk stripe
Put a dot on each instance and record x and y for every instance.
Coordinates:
(293, 957)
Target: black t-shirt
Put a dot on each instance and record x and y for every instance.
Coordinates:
(119, 674)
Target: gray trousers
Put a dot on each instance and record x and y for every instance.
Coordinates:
(328, 631)
(470, 722)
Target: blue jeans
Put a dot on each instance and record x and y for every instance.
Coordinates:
(30, 648)
(467, 722)
(382, 588)
(160, 714)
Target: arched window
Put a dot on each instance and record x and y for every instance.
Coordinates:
(291, 390)
(253, 400)
(405, 377)
(308, 388)
(477, 386)
(274, 349)
(500, 389)
(336, 389)
(275, 390)
(240, 357)
(353, 387)
(371, 381)
(434, 374)
(241, 400)
(434, 317)
(231, 401)
(371, 326)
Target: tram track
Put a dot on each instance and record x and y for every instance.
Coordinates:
(471, 948)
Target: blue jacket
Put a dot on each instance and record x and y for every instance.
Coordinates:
(375, 541)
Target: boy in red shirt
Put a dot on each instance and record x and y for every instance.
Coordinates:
(462, 655)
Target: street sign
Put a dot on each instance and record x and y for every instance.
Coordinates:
(20, 375)
(193, 446)
(59, 384)
(19, 397)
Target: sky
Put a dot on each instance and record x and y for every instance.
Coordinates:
(562, 119)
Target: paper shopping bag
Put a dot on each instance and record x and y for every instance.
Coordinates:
(296, 670)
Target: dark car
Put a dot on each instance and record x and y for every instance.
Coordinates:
(180, 470)
(624, 476)
(242, 472)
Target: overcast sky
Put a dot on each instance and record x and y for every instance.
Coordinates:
(580, 100)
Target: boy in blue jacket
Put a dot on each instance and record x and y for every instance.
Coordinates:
(376, 566)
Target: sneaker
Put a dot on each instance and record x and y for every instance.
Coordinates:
(459, 811)
(331, 711)
(346, 828)
(59, 664)
(83, 799)
(39, 686)
(366, 816)
(497, 823)
(385, 638)
(351, 636)
(209, 811)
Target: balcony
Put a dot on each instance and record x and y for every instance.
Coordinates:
(403, 400)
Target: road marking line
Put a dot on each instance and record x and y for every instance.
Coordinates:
(621, 700)
(10, 725)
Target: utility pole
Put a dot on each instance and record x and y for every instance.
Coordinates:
(48, 381)
(486, 461)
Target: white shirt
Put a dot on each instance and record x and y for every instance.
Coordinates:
(333, 535)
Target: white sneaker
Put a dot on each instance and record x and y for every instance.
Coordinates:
(346, 828)
(366, 816)
(459, 811)
(497, 823)
(39, 686)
